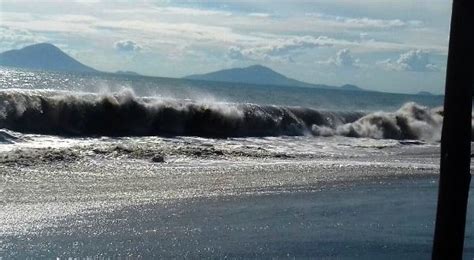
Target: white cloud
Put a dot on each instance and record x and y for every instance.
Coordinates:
(260, 15)
(256, 38)
(177, 31)
(413, 60)
(343, 59)
(73, 18)
(162, 10)
(278, 48)
(17, 38)
(127, 46)
(42, 24)
(364, 22)
(237, 53)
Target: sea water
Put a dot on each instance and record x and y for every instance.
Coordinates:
(104, 165)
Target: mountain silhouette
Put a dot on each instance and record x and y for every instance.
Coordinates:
(127, 72)
(46, 56)
(256, 74)
(351, 87)
(42, 56)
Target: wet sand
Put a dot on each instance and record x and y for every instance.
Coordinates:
(390, 219)
(212, 198)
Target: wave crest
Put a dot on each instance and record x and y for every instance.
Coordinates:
(411, 121)
(124, 114)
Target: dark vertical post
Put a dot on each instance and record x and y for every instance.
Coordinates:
(455, 174)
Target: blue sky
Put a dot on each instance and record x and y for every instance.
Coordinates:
(395, 46)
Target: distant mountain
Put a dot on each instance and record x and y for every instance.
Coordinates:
(42, 56)
(127, 72)
(256, 74)
(46, 56)
(424, 93)
(351, 87)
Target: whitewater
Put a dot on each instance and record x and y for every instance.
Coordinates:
(114, 166)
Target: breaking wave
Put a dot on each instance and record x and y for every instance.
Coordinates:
(411, 121)
(9, 137)
(124, 114)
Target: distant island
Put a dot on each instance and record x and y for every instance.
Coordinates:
(46, 56)
(127, 72)
(351, 88)
(256, 74)
(42, 56)
(260, 75)
(425, 93)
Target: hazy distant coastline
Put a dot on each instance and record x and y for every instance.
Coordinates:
(46, 56)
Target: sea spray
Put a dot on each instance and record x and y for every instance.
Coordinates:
(411, 121)
(125, 114)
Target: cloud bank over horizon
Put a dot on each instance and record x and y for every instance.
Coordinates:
(380, 45)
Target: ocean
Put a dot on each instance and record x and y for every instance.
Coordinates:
(117, 166)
